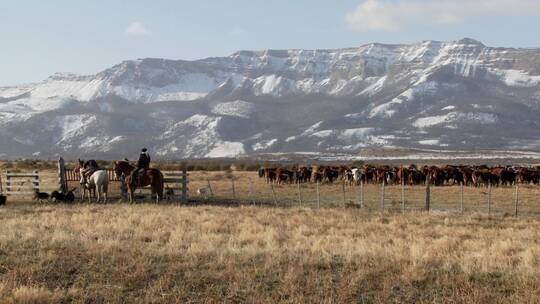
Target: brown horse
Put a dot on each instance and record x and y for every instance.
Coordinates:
(152, 177)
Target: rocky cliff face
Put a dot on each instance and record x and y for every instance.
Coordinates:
(452, 95)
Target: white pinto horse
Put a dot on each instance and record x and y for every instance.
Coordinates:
(99, 182)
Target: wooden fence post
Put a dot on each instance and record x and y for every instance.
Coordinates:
(489, 199)
(62, 184)
(8, 182)
(361, 194)
(382, 196)
(461, 197)
(251, 191)
(343, 190)
(318, 196)
(403, 195)
(210, 188)
(299, 193)
(428, 194)
(232, 187)
(516, 199)
(35, 180)
(184, 197)
(273, 194)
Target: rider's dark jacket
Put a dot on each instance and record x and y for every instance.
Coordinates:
(144, 161)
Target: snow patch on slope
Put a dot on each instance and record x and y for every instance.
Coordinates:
(430, 121)
(264, 144)
(236, 108)
(516, 78)
(198, 136)
(226, 149)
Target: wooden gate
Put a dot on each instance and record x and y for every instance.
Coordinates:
(177, 181)
(23, 184)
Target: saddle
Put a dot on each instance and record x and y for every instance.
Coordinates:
(139, 173)
(86, 173)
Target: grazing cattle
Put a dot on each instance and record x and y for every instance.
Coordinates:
(302, 175)
(527, 176)
(402, 175)
(330, 174)
(484, 177)
(452, 175)
(438, 175)
(380, 175)
(349, 177)
(416, 177)
(369, 174)
(357, 175)
(391, 176)
(466, 174)
(317, 177)
(507, 177)
(270, 174)
(284, 176)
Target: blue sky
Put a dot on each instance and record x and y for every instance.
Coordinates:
(39, 38)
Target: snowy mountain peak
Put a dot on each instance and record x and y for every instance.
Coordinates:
(470, 41)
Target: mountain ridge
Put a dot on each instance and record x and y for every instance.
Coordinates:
(452, 95)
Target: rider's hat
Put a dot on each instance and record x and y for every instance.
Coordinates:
(144, 150)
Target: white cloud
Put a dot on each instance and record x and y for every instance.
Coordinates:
(137, 29)
(383, 15)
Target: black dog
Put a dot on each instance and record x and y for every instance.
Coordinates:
(40, 196)
(69, 197)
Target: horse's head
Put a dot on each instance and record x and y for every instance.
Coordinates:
(116, 169)
(80, 164)
(122, 167)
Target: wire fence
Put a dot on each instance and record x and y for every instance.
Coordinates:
(516, 200)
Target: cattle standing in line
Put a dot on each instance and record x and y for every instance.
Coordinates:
(476, 176)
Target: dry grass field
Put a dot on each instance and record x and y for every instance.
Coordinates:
(145, 253)
(238, 246)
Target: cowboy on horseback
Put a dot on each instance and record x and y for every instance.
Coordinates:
(142, 164)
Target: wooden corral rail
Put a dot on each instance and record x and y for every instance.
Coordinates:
(72, 176)
(23, 184)
(177, 182)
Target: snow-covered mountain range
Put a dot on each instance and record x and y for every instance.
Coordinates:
(436, 95)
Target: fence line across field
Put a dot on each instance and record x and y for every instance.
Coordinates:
(515, 200)
(396, 197)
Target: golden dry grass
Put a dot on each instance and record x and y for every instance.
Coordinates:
(121, 253)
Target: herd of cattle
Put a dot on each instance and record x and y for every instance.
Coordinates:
(411, 175)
